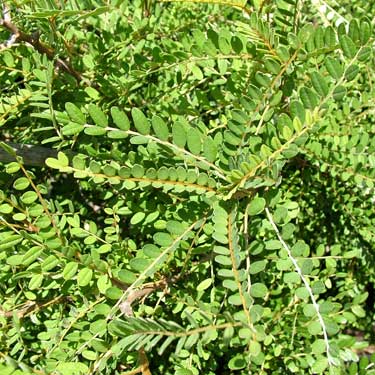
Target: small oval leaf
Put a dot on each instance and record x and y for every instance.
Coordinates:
(140, 121)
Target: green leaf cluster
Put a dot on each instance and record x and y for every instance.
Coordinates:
(206, 205)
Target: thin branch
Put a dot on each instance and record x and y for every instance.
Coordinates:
(32, 155)
(17, 35)
(324, 9)
(231, 247)
(307, 286)
(31, 307)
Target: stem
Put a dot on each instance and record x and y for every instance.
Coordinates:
(33, 156)
(17, 35)
(306, 283)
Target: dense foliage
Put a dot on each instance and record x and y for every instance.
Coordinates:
(206, 201)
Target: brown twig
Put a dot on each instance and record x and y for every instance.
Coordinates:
(17, 35)
(148, 288)
(31, 307)
(145, 370)
(127, 310)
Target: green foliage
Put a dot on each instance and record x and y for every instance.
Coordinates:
(209, 206)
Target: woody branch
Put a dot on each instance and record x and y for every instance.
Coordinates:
(17, 35)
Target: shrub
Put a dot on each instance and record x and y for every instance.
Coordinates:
(186, 188)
